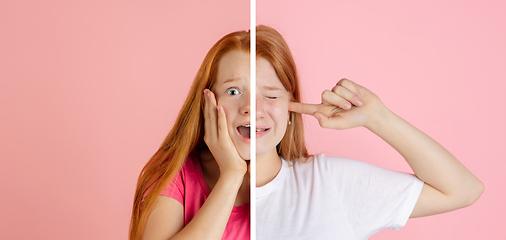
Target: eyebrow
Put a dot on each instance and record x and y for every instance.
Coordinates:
(273, 88)
(231, 80)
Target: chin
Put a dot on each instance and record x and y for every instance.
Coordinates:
(244, 152)
(245, 156)
(243, 149)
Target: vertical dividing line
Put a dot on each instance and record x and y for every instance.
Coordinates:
(252, 115)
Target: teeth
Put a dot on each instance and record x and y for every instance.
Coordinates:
(258, 129)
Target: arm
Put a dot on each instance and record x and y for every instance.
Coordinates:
(166, 220)
(448, 184)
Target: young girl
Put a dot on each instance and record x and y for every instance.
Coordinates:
(196, 186)
(318, 197)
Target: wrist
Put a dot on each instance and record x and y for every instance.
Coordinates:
(379, 119)
(232, 178)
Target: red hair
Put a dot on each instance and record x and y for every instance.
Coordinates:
(186, 136)
(271, 46)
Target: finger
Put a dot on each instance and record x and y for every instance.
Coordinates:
(223, 134)
(322, 119)
(303, 108)
(335, 122)
(309, 109)
(207, 117)
(210, 115)
(347, 95)
(350, 85)
(222, 123)
(333, 99)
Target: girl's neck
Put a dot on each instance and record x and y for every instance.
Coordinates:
(211, 172)
(268, 166)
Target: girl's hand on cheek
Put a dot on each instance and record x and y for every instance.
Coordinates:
(218, 139)
(347, 105)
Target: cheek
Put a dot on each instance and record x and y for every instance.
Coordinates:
(229, 107)
(279, 112)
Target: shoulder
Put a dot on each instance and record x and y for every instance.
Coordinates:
(343, 169)
(190, 168)
(321, 161)
(319, 167)
(180, 180)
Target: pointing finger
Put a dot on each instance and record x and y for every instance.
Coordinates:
(309, 109)
(303, 108)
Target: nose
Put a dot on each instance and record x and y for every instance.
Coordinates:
(245, 104)
(259, 108)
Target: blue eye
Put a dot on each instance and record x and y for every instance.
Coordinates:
(233, 91)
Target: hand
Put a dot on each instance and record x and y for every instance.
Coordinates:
(347, 105)
(218, 139)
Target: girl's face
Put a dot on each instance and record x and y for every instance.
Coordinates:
(232, 91)
(272, 109)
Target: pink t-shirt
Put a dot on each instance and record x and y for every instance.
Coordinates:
(190, 188)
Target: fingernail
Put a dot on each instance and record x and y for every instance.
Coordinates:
(358, 103)
(347, 106)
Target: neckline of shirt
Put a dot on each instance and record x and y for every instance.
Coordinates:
(276, 182)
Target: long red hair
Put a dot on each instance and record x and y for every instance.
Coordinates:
(273, 47)
(186, 136)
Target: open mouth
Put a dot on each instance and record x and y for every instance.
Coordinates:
(244, 130)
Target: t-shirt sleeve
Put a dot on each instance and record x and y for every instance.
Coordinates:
(374, 198)
(175, 189)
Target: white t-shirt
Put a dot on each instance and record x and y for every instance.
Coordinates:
(334, 198)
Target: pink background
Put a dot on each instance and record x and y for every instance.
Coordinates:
(441, 65)
(88, 91)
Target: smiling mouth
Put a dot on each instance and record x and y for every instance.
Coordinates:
(244, 130)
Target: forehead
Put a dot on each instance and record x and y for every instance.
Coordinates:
(233, 67)
(267, 79)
